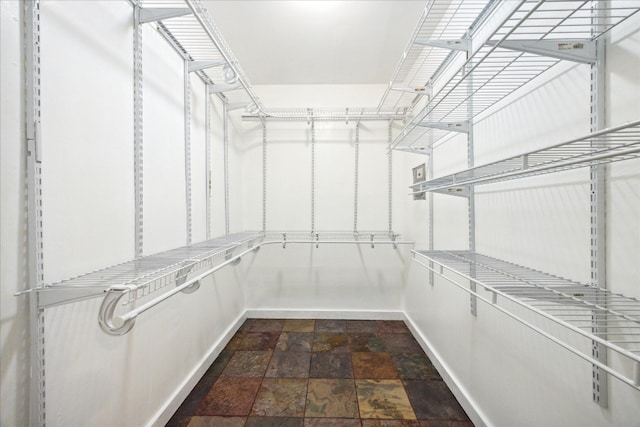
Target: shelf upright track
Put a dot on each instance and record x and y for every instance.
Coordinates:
(598, 196)
(37, 414)
(312, 123)
(471, 201)
(138, 127)
(225, 127)
(207, 153)
(390, 176)
(356, 176)
(264, 176)
(187, 148)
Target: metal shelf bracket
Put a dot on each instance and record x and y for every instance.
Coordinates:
(582, 51)
(461, 126)
(154, 14)
(459, 44)
(203, 65)
(220, 88)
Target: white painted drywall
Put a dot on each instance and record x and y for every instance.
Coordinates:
(510, 374)
(87, 133)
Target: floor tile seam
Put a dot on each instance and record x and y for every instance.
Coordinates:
(255, 397)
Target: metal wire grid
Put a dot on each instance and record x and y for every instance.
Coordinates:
(441, 20)
(199, 39)
(568, 303)
(609, 145)
(150, 273)
(496, 72)
(330, 236)
(351, 114)
(567, 19)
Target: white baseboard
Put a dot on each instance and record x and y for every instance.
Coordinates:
(173, 403)
(464, 398)
(324, 314)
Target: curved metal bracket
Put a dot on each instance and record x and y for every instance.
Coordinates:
(181, 277)
(229, 254)
(110, 324)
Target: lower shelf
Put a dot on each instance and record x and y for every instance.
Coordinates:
(150, 273)
(611, 321)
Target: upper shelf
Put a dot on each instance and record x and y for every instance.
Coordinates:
(191, 30)
(501, 49)
(609, 145)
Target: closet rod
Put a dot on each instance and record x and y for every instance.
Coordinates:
(114, 324)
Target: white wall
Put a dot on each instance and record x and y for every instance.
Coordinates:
(331, 278)
(14, 318)
(88, 213)
(509, 374)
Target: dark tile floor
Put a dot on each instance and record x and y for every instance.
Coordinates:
(321, 373)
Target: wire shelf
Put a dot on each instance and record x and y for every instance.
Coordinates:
(440, 20)
(152, 273)
(347, 115)
(470, 81)
(332, 236)
(609, 145)
(197, 38)
(604, 317)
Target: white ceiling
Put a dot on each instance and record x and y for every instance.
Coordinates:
(317, 41)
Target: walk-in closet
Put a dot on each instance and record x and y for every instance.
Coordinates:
(345, 213)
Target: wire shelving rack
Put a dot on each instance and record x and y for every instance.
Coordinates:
(148, 274)
(608, 145)
(574, 306)
(475, 70)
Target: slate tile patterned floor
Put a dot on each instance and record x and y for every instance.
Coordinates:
(321, 373)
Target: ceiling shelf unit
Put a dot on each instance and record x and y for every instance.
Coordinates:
(188, 26)
(501, 49)
(606, 146)
(596, 314)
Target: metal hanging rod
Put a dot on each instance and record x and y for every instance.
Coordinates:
(124, 293)
(141, 277)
